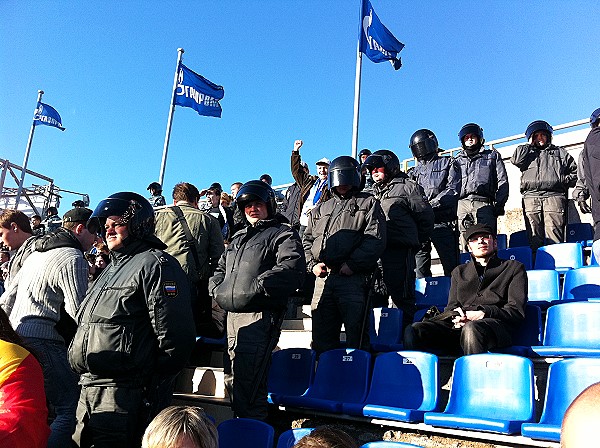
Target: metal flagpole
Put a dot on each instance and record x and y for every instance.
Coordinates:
(163, 164)
(357, 88)
(26, 158)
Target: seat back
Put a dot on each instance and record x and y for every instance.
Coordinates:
(406, 379)
(292, 371)
(518, 239)
(491, 385)
(582, 283)
(342, 375)
(289, 438)
(573, 324)
(522, 254)
(386, 326)
(246, 432)
(432, 291)
(580, 232)
(502, 239)
(529, 333)
(543, 285)
(560, 257)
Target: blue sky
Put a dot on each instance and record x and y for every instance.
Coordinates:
(287, 68)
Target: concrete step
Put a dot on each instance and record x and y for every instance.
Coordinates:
(207, 381)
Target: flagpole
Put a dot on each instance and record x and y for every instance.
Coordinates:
(163, 164)
(26, 158)
(357, 86)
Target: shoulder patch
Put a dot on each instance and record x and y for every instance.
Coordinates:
(170, 288)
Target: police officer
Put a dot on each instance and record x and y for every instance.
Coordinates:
(344, 239)
(440, 180)
(262, 265)
(547, 172)
(484, 183)
(409, 223)
(362, 156)
(156, 198)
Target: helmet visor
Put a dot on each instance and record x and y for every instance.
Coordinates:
(374, 161)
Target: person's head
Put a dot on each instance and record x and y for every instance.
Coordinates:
(423, 144)
(323, 168)
(481, 241)
(154, 188)
(186, 192)
(327, 437)
(595, 118)
(4, 256)
(51, 211)
(580, 422)
(78, 203)
(345, 175)
(36, 220)
(124, 217)
(471, 138)
(539, 134)
(181, 427)
(15, 228)
(213, 193)
(256, 201)
(267, 178)
(235, 188)
(76, 220)
(383, 166)
(363, 154)
(225, 199)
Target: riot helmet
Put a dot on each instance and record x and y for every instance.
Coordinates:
(155, 186)
(256, 190)
(386, 159)
(539, 125)
(475, 129)
(594, 118)
(364, 152)
(423, 144)
(345, 170)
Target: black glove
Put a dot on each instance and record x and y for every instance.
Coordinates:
(498, 210)
(583, 206)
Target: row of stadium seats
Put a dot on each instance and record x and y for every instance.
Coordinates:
(577, 232)
(403, 386)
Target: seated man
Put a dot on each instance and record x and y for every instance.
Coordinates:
(486, 302)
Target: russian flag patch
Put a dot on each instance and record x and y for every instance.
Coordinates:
(170, 289)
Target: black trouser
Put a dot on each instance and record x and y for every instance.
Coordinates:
(445, 240)
(398, 266)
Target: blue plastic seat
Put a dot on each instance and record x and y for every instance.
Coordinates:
(245, 432)
(518, 239)
(291, 373)
(580, 232)
(543, 287)
(389, 444)
(561, 257)
(464, 257)
(527, 335)
(432, 291)
(404, 386)
(385, 330)
(582, 284)
(572, 329)
(522, 254)
(213, 342)
(289, 438)
(566, 379)
(502, 240)
(342, 377)
(490, 392)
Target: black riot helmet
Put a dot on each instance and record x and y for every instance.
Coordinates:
(345, 170)
(595, 118)
(256, 190)
(423, 144)
(539, 125)
(364, 152)
(386, 159)
(475, 129)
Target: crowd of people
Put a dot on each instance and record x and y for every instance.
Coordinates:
(101, 309)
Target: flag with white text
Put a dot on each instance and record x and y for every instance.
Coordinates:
(48, 116)
(376, 41)
(197, 92)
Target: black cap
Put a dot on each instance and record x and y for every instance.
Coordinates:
(479, 228)
(215, 186)
(77, 214)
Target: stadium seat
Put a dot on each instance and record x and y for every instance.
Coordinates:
(464, 257)
(566, 379)
(522, 254)
(342, 377)
(572, 329)
(580, 232)
(432, 291)
(527, 335)
(291, 373)
(502, 239)
(289, 438)
(245, 432)
(213, 342)
(490, 392)
(385, 331)
(388, 444)
(518, 239)
(560, 257)
(403, 388)
(543, 287)
(582, 284)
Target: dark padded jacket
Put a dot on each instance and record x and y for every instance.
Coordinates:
(290, 207)
(135, 321)
(588, 172)
(259, 269)
(483, 176)
(350, 231)
(545, 172)
(408, 216)
(440, 180)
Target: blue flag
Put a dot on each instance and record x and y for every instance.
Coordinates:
(376, 41)
(198, 93)
(47, 115)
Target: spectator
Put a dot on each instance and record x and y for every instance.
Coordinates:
(409, 222)
(238, 216)
(52, 221)
(344, 239)
(181, 427)
(484, 183)
(135, 330)
(327, 437)
(226, 200)
(362, 156)
(440, 180)
(547, 173)
(485, 305)
(235, 187)
(156, 198)
(15, 235)
(290, 208)
(267, 178)
(37, 226)
(580, 423)
(223, 215)
(260, 268)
